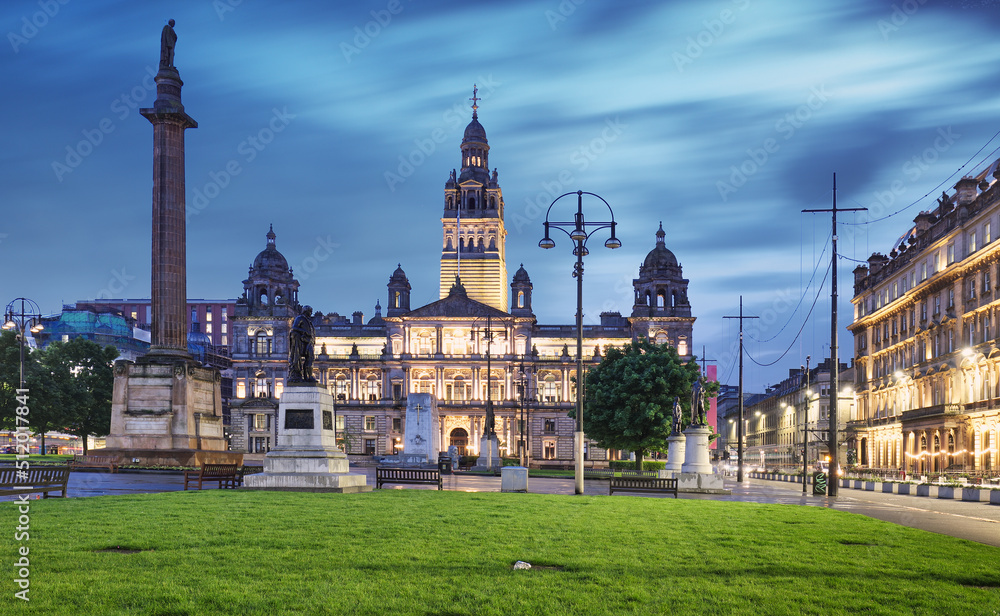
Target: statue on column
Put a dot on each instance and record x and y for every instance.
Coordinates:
(489, 427)
(301, 340)
(698, 404)
(168, 39)
(678, 418)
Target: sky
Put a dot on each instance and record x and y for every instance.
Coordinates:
(339, 124)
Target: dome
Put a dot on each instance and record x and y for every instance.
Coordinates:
(521, 275)
(474, 131)
(270, 260)
(399, 275)
(660, 256)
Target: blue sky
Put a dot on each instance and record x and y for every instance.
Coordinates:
(722, 119)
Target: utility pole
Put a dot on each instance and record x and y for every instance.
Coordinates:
(739, 428)
(805, 435)
(832, 486)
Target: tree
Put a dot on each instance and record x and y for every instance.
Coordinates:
(630, 397)
(69, 385)
(90, 388)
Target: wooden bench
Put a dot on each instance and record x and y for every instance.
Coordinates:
(247, 470)
(225, 474)
(598, 473)
(89, 461)
(44, 479)
(407, 475)
(642, 484)
(635, 473)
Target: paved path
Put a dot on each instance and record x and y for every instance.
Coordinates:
(973, 521)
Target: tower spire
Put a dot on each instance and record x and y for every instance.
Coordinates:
(475, 99)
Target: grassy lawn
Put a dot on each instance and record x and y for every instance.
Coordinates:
(449, 553)
(10, 458)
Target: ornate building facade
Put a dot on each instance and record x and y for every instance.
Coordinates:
(470, 346)
(926, 340)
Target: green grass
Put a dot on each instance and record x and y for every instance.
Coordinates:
(448, 553)
(35, 457)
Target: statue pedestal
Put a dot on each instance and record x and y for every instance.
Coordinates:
(306, 458)
(489, 455)
(696, 458)
(167, 410)
(675, 452)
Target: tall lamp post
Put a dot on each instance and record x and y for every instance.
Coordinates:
(577, 231)
(22, 315)
(489, 334)
(522, 444)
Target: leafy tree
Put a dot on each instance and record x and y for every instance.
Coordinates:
(91, 387)
(69, 384)
(630, 397)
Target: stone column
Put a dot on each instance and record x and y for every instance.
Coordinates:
(169, 271)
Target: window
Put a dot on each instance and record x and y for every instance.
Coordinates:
(549, 450)
(397, 424)
(951, 341)
(397, 391)
(341, 388)
(208, 314)
(951, 297)
(923, 311)
(260, 444)
(972, 242)
(971, 286)
(208, 328)
(923, 271)
(225, 339)
(369, 423)
(951, 253)
(341, 423)
(262, 344)
(370, 446)
(986, 282)
(373, 389)
(937, 305)
(987, 234)
(261, 386)
(241, 389)
(550, 426)
(260, 422)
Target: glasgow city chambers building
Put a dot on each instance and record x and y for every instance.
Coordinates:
(478, 342)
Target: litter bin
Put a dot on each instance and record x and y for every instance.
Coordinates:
(444, 463)
(819, 484)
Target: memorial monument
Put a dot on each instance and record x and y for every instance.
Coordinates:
(306, 457)
(422, 435)
(676, 441)
(167, 407)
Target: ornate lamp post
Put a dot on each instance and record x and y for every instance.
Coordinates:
(23, 315)
(489, 334)
(522, 384)
(577, 231)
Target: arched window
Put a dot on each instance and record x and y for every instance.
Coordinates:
(395, 300)
(261, 386)
(649, 298)
(520, 299)
(341, 388)
(493, 203)
(472, 203)
(262, 344)
(661, 299)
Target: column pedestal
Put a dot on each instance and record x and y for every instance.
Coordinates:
(675, 452)
(696, 458)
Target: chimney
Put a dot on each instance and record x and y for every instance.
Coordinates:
(966, 191)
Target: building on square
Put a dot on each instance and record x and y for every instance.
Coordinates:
(478, 341)
(925, 339)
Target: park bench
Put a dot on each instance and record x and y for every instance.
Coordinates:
(247, 470)
(407, 475)
(224, 474)
(598, 473)
(642, 484)
(91, 461)
(635, 473)
(44, 479)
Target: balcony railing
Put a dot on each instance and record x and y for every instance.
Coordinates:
(933, 411)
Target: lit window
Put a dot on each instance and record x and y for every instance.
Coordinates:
(987, 236)
(549, 450)
(369, 423)
(972, 242)
(241, 389)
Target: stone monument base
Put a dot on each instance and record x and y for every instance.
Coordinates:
(307, 458)
(166, 410)
(489, 455)
(700, 483)
(675, 452)
(696, 457)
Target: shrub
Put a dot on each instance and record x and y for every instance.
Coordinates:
(647, 465)
(510, 462)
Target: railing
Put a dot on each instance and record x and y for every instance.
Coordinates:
(932, 411)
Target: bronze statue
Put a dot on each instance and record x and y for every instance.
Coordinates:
(168, 39)
(489, 426)
(678, 418)
(301, 339)
(698, 404)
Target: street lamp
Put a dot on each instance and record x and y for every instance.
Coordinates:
(577, 231)
(489, 335)
(522, 444)
(23, 315)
